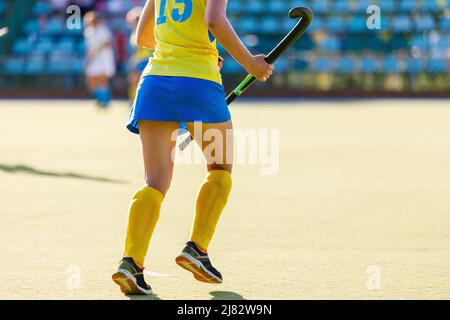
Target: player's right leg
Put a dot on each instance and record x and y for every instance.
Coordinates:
(211, 199)
(145, 206)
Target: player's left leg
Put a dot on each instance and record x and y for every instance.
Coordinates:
(157, 147)
(211, 199)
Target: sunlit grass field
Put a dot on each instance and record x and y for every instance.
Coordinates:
(359, 208)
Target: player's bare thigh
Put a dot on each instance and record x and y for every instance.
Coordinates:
(134, 78)
(217, 143)
(157, 147)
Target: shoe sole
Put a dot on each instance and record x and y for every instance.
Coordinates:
(195, 267)
(127, 284)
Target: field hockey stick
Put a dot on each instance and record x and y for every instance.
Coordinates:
(299, 29)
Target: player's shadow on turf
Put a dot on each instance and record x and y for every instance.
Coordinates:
(144, 297)
(31, 170)
(225, 295)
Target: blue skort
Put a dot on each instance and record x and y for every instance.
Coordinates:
(178, 99)
(140, 66)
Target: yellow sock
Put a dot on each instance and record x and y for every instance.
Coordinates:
(211, 199)
(144, 213)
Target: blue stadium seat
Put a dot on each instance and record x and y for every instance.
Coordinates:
(66, 45)
(31, 27)
(270, 25)
(320, 7)
(408, 5)
(387, 6)
(362, 5)
(118, 7)
(385, 23)
(376, 44)
(265, 44)
(44, 46)
(443, 43)
(255, 7)
(236, 6)
(444, 24)
(41, 8)
(336, 23)
(77, 66)
(14, 66)
(345, 65)
(398, 42)
(420, 42)
(35, 66)
(323, 64)
(80, 48)
(54, 27)
(390, 64)
(431, 6)
(402, 23)
(286, 25)
(357, 24)
(424, 23)
(330, 44)
(21, 47)
(351, 43)
(231, 66)
(437, 66)
(249, 25)
(317, 25)
(414, 65)
(59, 64)
(306, 43)
(369, 65)
(301, 64)
(341, 6)
(275, 7)
(282, 65)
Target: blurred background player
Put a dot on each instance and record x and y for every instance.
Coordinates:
(100, 62)
(138, 56)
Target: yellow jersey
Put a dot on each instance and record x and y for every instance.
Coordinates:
(184, 46)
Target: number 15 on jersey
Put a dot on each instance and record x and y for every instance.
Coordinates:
(180, 14)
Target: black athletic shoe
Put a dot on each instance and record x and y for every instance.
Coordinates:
(194, 260)
(130, 278)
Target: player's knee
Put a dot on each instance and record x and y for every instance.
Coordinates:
(160, 182)
(221, 167)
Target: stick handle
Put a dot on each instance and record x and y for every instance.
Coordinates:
(306, 16)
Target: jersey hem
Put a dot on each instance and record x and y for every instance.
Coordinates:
(181, 74)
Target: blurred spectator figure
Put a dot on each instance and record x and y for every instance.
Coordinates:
(100, 62)
(138, 56)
